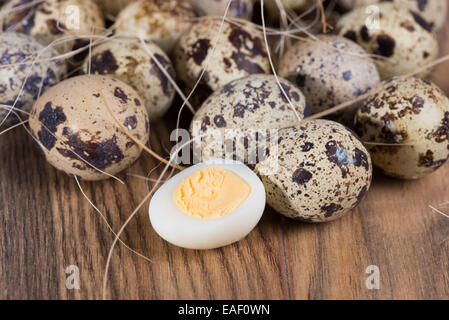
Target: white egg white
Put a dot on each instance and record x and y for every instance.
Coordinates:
(185, 231)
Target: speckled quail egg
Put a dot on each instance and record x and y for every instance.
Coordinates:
(76, 132)
(161, 21)
(401, 37)
(239, 51)
(413, 113)
(209, 205)
(330, 70)
(16, 48)
(129, 61)
(52, 19)
(433, 11)
(237, 8)
(111, 8)
(236, 119)
(319, 171)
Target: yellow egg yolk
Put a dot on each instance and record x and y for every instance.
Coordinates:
(211, 193)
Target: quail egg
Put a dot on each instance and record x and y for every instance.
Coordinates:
(330, 70)
(239, 51)
(209, 205)
(129, 61)
(237, 8)
(161, 21)
(16, 48)
(414, 114)
(234, 121)
(52, 19)
(433, 11)
(404, 40)
(78, 135)
(318, 171)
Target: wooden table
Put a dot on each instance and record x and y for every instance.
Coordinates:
(47, 225)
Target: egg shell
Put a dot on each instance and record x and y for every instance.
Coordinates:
(112, 7)
(238, 8)
(403, 38)
(433, 11)
(193, 233)
(14, 49)
(161, 21)
(330, 71)
(412, 112)
(246, 109)
(71, 123)
(129, 61)
(52, 19)
(320, 171)
(239, 52)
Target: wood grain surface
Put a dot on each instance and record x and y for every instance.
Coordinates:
(47, 225)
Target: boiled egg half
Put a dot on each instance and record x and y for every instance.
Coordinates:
(209, 205)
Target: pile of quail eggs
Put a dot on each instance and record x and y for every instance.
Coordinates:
(76, 67)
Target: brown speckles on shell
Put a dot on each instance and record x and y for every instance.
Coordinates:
(130, 122)
(427, 160)
(385, 45)
(240, 39)
(46, 20)
(249, 106)
(322, 183)
(199, 51)
(21, 20)
(306, 147)
(128, 60)
(414, 114)
(167, 87)
(337, 154)
(161, 21)
(351, 35)
(433, 12)
(441, 134)
(364, 33)
(239, 110)
(219, 121)
(330, 209)
(360, 196)
(70, 123)
(239, 52)
(103, 63)
(347, 75)
(96, 152)
(205, 123)
(55, 27)
(421, 21)
(329, 71)
(301, 176)
(361, 159)
(50, 119)
(119, 93)
(34, 79)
